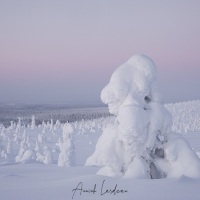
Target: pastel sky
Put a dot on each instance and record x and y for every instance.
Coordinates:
(61, 51)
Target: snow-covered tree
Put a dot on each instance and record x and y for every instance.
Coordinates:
(41, 138)
(9, 149)
(47, 158)
(67, 149)
(33, 122)
(12, 125)
(138, 142)
(3, 131)
(19, 126)
(51, 125)
(57, 125)
(22, 150)
(37, 146)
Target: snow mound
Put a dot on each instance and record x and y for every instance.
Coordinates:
(182, 160)
(138, 169)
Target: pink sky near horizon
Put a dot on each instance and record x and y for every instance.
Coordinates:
(54, 51)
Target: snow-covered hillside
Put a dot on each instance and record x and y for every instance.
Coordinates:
(30, 154)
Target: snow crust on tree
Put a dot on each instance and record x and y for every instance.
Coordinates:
(139, 143)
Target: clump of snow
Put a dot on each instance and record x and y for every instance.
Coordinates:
(138, 142)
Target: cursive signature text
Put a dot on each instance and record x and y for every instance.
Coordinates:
(103, 190)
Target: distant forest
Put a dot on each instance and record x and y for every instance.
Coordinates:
(63, 113)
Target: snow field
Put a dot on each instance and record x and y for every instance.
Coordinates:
(36, 180)
(90, 130)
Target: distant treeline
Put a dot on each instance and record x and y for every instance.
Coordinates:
(45, 113)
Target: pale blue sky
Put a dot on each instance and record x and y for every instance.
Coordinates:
(65, 51)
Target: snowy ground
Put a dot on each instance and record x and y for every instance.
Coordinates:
(38, 181)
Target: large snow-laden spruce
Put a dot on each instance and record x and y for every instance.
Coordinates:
(139, 143)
